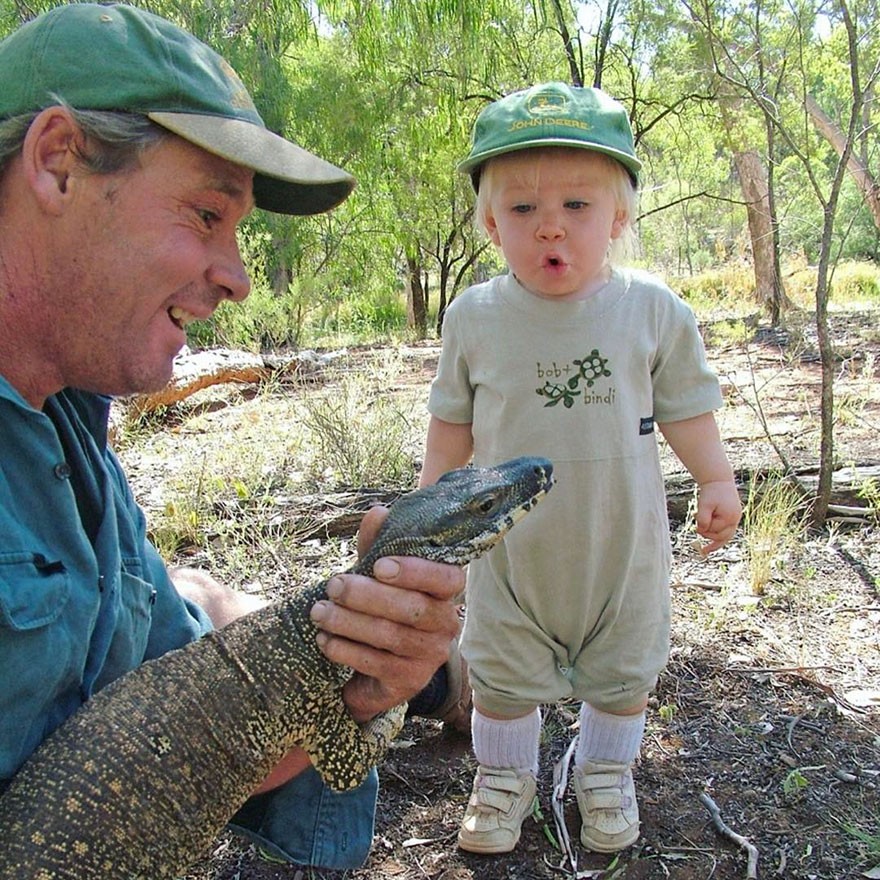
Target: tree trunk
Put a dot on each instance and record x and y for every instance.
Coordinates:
(859, 172)
(577, 77)
(416, 306)
(756, 192)
(755, 185)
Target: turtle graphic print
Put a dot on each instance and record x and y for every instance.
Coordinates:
(590, 368)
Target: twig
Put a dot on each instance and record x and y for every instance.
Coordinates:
(790, 731)
(560, 782)
(738, 839)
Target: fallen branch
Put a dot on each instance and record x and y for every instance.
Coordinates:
(726, 831)
(560, 783)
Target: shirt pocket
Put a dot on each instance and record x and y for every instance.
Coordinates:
(33, 590)
(132, 627)
(37, 660)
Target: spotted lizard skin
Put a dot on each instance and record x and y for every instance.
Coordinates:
(139, 781)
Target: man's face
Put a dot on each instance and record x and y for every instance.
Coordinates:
(139, 255)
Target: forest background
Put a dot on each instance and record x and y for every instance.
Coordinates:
(755, 121)
(757, 126)
(742, 113)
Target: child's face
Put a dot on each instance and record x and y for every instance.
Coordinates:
(553, 213)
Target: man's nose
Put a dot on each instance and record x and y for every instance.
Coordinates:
(228, 272)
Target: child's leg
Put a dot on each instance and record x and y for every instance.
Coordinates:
(504, 787)
(607, 745)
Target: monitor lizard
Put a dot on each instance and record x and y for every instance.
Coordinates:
(138, 782)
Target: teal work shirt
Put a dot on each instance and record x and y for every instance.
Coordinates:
(84, 596)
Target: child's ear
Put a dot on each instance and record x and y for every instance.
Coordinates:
(621, 219)
(492, 229)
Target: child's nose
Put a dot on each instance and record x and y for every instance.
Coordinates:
(549, 227)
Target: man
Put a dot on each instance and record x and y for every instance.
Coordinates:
(129, 154)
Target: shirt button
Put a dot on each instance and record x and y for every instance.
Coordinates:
(62, 471)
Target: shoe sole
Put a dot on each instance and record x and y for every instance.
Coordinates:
(487, 849)
(599, 847)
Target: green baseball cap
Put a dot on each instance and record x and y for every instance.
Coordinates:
(118, 57)
(553, 115)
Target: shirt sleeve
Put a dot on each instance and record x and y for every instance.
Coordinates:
(452, 396)
(684, 384)
(175, 621)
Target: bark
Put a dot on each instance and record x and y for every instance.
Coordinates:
(756, 192)
(859, 172)
(755, 185)
(416, 303)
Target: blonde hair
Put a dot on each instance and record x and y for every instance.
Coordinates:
(619, 181)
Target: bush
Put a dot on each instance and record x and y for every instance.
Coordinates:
(728, 288)
(851, 283)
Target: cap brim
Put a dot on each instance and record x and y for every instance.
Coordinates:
(287, 178)
(629, 162)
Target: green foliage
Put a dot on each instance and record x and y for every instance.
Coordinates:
(794, 784)
(855, 283)
(728, 288)
(361, 436)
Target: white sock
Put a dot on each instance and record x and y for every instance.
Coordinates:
(607, 737)
(508, 744)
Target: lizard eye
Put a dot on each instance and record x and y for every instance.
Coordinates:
(488, 504)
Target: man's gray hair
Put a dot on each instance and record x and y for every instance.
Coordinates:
(114, 139)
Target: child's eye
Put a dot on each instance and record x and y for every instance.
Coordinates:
(521, 209)
(576, 204)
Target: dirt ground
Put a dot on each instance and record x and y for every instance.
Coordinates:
(770, 704)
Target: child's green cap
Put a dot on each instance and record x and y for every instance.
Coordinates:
(553, 114)
(96, 57)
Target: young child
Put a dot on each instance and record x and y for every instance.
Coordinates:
(574, 359)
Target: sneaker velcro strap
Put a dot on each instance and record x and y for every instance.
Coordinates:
(607, 800)
(511, 784)
(497, 800)
(591, 781)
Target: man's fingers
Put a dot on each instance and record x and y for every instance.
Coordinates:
(403, 639)
(359, 605)
(370, 525)
(387, 666)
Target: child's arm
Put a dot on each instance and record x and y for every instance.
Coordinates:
(448, 446)
(697, 444)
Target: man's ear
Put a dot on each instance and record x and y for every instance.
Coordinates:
(49, 157)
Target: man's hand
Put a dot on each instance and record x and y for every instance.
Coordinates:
(393, 629)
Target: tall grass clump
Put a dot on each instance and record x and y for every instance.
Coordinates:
(360, 434)
(726, 290)
(852, 284)
(773, 521)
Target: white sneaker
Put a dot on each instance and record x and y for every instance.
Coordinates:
(606, 799)
(500, 800)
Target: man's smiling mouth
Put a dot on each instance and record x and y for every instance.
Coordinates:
(181, 317)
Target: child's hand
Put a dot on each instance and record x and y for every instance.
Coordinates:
(718, 512)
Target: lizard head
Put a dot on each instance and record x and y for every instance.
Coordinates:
(464, 513)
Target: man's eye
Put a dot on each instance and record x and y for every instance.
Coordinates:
(209, 218)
